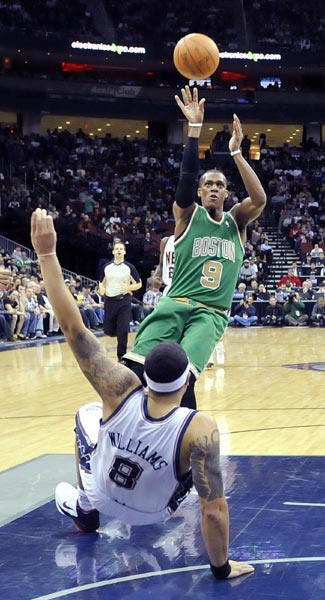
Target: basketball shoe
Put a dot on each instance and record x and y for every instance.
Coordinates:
(66, 500)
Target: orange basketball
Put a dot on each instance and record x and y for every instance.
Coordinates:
(196, 56)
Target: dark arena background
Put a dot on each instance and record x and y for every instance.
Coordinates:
(89, 130)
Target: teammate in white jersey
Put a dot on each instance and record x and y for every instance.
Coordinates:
(148, 447)
(164, 273)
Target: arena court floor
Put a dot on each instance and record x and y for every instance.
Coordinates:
(268, 401)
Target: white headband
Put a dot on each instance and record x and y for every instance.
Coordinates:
(170, 386)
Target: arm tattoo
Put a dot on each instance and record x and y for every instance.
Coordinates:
(205, 463)
(102, 372)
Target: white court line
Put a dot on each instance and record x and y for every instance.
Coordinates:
(303, 504)
(98, 584)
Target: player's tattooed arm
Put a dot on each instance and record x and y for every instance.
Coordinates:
(110, 379)
(205, 463)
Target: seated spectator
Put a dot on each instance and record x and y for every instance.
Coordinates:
(316, 251)
(320, 293)
(295, 311)
(274, 314)
(87, 314)
(252, 289)
(262, 293)
(295, 269)
(5, 320)
(240, 292)
(33, 326)
(320, 259)
(312, 272)
(97, 307)
(13, 306)
(294, 280)
(46, 310)
(136, 312)
(266, 249)
(247, 272)
(318, 313)
(149, 282)
(253, 265)
(262, 268)
(151, 298)
(23, 261)
(244, 313)
(307, 290)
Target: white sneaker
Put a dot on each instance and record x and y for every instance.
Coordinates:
(66, 500)
(220, 353)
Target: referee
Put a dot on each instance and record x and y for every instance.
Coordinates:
(121, 279)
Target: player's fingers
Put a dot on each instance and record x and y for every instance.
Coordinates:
(179, 102)
(38, 220)
(33, 223)
(240, 568)
(188, 94)
(201, 104)
(49, 222)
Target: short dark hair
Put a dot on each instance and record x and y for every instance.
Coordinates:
(166, 362)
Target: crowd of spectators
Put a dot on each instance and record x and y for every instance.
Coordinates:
(56, 16)
(99, 189)
(135, 21)
(290, 25)
(293, 25)
(26, 313)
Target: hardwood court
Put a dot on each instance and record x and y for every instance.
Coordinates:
(271, 420)
(262, 408)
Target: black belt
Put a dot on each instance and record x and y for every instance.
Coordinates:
(119, 297)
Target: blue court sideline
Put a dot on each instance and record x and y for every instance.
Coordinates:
(277, 507)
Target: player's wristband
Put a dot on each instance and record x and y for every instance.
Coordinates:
(235, 152)
(221, 572)
(47, 254)
(195, 124)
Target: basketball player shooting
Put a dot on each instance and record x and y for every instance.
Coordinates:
(208, 252)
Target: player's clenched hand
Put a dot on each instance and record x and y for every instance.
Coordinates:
(239, 568)
(43, 234)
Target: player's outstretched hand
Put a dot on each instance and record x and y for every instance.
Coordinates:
(43, 234)
(191, 107)
(239, 568)
(237, 134)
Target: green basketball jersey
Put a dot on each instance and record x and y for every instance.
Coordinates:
(208, 257)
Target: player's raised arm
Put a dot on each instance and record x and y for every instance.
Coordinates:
(110, 379)
(186, 191)
(252, 206)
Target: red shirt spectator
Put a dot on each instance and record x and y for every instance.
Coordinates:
(294, 280)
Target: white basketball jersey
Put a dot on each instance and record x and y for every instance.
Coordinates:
(168, 263)
(135, 466)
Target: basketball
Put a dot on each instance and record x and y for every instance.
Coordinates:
(196, 56)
